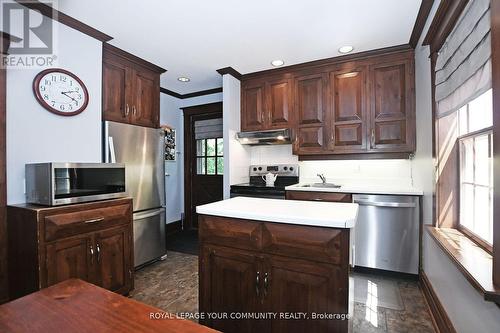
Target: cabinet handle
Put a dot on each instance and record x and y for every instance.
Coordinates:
(91, 255)
(266, 280)
(270, 116)
(134, 110)
(372, 138)
(98, 253)
(127, 110)
(99, 219)
(257, 284)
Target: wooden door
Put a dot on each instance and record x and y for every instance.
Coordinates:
(252, 106)
(295, 285)
(310, 105)
(114, 91)
(145, 110)
(204, 161)
(230, 282)
(347, 111)
(114, 259)
(392, 123)
(279, 103)
(70, 258)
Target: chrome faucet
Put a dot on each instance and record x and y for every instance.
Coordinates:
(323, 178)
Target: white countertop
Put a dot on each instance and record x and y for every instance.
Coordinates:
(393, 189)
(312, 213)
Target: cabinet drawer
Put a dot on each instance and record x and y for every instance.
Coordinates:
(73, 223)
(318, 196)
(229, 232)
(312, 243)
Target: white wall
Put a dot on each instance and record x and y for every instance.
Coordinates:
(465, 306)
(171, 114)
(174, 170)
(236, 156)
(36, 135)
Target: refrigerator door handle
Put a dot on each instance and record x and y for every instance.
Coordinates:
(149, 213)
(111, 144)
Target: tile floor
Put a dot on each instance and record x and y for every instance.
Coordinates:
(381, 304)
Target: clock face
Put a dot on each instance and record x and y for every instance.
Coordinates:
(60, 92)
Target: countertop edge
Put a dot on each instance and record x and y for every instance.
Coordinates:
(355, 190)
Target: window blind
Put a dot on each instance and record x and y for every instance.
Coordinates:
(208, 129)
(463, 65)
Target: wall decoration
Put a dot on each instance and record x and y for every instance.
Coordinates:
(60, 92)
(170, 143)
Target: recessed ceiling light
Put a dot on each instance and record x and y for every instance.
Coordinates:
(346, 49)
(277, 63)
(183, 79)
(280, 137)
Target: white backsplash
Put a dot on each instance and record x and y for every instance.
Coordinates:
(352, 172)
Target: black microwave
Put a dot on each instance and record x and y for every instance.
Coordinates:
(55, 184)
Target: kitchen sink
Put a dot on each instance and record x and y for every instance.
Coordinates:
(321, 185)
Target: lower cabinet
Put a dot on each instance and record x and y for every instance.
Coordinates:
(92, 242)
(69, 258)
(236, 281)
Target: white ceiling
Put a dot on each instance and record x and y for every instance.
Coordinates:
(193, 38)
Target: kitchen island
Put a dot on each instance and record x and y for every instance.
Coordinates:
(269, 265)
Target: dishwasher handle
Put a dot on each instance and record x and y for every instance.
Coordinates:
(385, 204)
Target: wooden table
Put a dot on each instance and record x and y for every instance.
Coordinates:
(78, 306)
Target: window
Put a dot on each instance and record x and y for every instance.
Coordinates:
(209, 156)
(476, 167)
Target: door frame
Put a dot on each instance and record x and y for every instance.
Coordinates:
(192, 113)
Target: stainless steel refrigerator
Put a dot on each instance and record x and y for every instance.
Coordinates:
(141, 149)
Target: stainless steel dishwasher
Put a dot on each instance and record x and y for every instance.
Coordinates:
(387, 232)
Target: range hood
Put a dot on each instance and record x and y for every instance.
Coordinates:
(272, 137)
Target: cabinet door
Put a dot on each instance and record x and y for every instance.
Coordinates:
(347, 116)
(392, 107)
(252, 106)
(229, 283)
(114, 259)
(310, 105)
(295, 285)
(279, 103)
(145, 110)
(69, 258)
(114, 95)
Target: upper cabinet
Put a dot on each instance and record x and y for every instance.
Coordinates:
(130, 88)
(310, 106)
(266, 104)
(363, 105)
(392, 113)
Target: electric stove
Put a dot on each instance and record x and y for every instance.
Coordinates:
(288, 174)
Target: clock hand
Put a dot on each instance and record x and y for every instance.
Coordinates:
(70, 91)
(65, 94)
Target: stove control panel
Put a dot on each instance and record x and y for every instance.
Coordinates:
(279, 169)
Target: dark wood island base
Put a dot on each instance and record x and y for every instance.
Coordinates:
(294, 276)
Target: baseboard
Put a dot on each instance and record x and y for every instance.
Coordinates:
(173, 227)
(440, 319)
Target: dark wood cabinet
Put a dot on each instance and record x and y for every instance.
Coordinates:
(266, 104)
(253, 105)
(259, 267)
(363, 105)
(113, 260)
(347, 116)
(69, 258)
(130, 88)
(392, 114)
(90, 241)
(302, 286)
(310, 106)
(318, 196)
